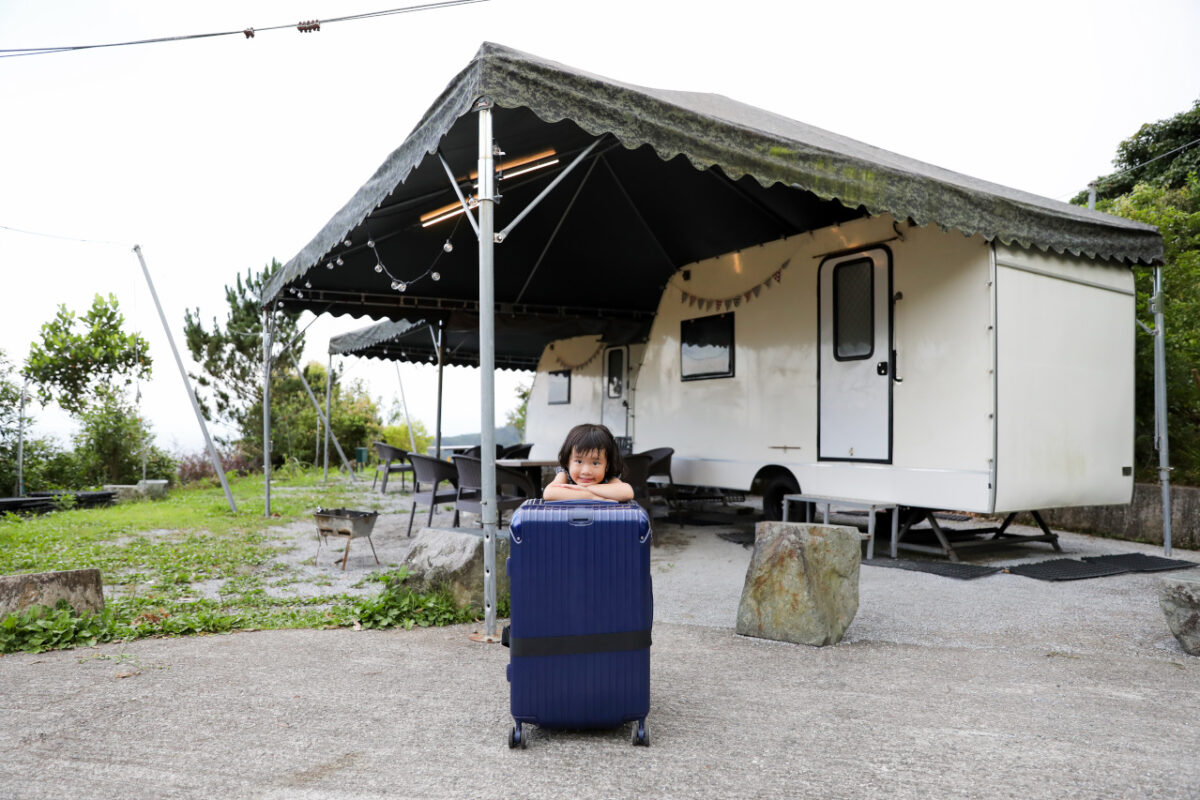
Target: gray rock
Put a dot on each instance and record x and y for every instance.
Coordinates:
(1180, 602)
(802, 583)
(453, 559)
(125, 491)
(82, 588)
(153, 489)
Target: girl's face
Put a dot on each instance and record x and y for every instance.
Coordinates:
(585, 468)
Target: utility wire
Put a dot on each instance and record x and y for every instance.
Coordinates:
(1111, 175)
(304, 27)
(61, 238)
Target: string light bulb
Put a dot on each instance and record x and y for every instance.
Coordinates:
(448, 246)
(347, 243)
(339, 261)
(371, 243)
(308, 284)
(378, 267)
(437, 276)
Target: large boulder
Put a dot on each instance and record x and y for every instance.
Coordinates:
(802, 583)
(1180, 602)
(81, 588)
(453, 559)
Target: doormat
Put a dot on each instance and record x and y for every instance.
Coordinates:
(1140, 562)
(947, 569)
(738, 537)
(1065, 569)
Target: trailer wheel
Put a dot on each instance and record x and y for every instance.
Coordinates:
(772, 496)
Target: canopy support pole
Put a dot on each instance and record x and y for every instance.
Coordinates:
(19, 490)
(268, 326)
(191, 393)
(1160, 408)
(441, 353)
(328, 413)
(454, 182)
(412, 439)
(321, 414)
(487, 365)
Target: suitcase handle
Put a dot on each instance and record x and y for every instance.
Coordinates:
(579, 516)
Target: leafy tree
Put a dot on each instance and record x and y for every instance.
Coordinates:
(294, 420)
(1160, 153)
(230, 355)
(108, 446)
(1176, 213)
(516, 416)
(397, 436)
(76, 368)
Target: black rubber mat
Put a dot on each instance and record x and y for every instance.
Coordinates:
(1065, 569)
(1140, 562)
(947, 569)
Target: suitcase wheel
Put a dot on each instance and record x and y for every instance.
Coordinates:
(516, 738)
(641, 733)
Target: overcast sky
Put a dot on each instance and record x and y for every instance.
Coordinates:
(217, 155)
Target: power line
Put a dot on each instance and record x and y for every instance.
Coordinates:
(61, 238)
(309, 26)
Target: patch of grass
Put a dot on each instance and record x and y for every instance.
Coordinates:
(155, 552)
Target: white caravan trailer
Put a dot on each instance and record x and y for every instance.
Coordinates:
(875, 360)
(581, 379)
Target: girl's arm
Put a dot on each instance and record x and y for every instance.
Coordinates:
(613, 491)
(616, 489)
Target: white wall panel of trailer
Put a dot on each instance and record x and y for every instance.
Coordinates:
(725, 430)
(546, 424)
(1065, 393)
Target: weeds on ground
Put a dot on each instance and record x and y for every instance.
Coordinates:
(155, 552)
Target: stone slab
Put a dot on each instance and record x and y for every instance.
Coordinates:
(1179, 599)
(454, 559)
(82, 588)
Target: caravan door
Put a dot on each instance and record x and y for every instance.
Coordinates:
(614, 405)
(855, 364)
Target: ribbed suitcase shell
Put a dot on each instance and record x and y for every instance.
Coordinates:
(578, 568)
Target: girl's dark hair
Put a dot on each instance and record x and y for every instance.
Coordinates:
(588, 438)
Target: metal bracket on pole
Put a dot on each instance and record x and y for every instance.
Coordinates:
(191, 393)
(321, 414)
(487, 364)
(502, 235)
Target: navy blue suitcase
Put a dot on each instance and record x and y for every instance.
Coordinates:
(581, 614)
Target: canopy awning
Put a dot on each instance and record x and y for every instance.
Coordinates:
(519, 341)
(675, 177)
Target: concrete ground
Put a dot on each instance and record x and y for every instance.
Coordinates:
(999, 687)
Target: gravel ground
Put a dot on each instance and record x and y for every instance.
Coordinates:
(999, 687)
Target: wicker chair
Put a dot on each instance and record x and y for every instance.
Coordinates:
(470, 487)
(391, 459)
(432, 472)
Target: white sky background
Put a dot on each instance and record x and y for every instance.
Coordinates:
(217, 155)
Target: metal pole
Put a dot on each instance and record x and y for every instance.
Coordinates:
(268, 325)
(321, 415)
(487, 362)
(404, 404)
(191, 393)
(1092, 195)
(19, 490)
(1160, 407)
(441, 366)
(328, 412)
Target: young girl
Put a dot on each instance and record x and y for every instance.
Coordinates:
(591, 467)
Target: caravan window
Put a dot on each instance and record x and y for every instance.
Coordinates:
(853, 310)
(706, 347)
(559, 387)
